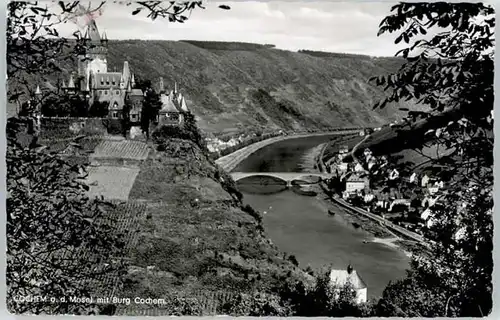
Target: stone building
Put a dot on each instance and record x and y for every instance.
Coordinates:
(173, 106)
(95, 83)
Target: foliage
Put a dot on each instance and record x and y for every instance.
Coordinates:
(322, 300)
(188, 131)
(451, 73)
(99, 109)
(323, 54)
(255, 305)
(231, 46)
(58, 241)
(252, 212)
(178, 306)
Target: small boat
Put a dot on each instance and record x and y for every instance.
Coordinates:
(331, 212)
(306, 192)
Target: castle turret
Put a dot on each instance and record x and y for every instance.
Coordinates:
(162, 85)
(71, 84)
(104, 39)
(125, 77)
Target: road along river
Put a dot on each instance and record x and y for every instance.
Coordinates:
(300, 225)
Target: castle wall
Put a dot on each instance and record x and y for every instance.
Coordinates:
(66, 127)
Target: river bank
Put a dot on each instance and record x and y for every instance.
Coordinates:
(380, 234)
(300, 225)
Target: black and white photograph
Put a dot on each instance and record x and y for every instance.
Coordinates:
(249, 158)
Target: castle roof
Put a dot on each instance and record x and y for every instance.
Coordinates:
(357, 178)
(339, 278)
(106, 80)
(136, 92)
(92, 32)
(183, 105)
(167, 105)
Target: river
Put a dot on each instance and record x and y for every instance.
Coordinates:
(300, 225)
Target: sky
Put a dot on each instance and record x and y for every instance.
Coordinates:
(349, 27)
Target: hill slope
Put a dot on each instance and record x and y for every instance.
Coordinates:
(233, 86)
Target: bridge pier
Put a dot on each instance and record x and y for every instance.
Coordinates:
(289, 183)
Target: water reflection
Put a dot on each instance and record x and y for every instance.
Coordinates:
(261, 184)
(265, 184)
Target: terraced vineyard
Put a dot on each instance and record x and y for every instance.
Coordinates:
(124, 217)
(111, 182)
(123, 149)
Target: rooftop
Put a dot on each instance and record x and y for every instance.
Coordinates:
(340, 278)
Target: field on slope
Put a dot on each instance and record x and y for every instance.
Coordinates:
(231, 86)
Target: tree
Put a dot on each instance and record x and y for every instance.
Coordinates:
(56, 105)
(255, 305)
(322, 300)
(150, 108)
(99, 109)
(452, 73)
(59, 242)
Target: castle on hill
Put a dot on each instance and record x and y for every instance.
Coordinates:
(96, 84)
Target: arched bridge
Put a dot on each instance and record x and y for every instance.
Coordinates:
(288, 177)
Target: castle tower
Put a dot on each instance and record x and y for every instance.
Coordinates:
(94, 56)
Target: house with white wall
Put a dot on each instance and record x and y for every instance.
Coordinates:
(340, 278)
(355, 183)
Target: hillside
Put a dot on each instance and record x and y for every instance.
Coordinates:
(189, 235)
(232, 86)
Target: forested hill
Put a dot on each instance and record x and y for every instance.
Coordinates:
(241, 85)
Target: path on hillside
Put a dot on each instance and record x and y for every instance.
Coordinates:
(355, 148)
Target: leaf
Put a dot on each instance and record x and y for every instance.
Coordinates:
(63, 6)
(406, 38)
